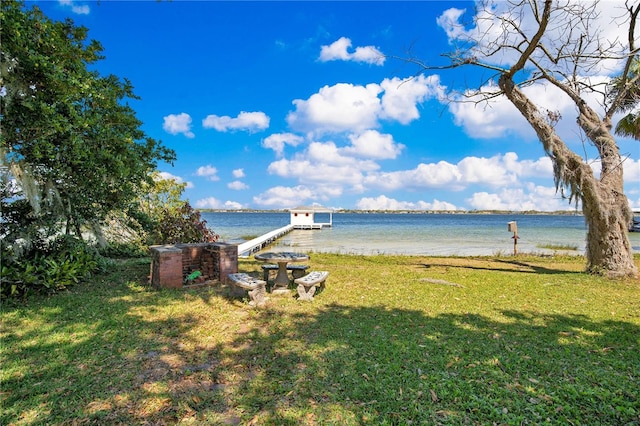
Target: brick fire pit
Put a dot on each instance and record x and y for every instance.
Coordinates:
(171, 264)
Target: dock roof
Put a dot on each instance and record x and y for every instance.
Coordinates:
(314, 209)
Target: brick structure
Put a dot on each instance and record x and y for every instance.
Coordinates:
(227, 260)
(171, 264)
(166, 266)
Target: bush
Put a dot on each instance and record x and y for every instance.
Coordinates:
(182, 225)
(48, 266)
(124, 250)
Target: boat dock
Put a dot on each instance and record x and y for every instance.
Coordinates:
(256, 244)
(311, 225)
(301, 218)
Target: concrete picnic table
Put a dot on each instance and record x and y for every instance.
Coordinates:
(281, 283)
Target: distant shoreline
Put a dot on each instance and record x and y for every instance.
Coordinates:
(503, 212)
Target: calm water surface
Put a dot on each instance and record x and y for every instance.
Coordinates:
(418, 233)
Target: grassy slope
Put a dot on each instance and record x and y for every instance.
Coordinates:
(392, 340)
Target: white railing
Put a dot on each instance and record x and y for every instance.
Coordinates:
(245, 249)
(315, 225)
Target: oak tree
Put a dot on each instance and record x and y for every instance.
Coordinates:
(70, 143)
(523, 43)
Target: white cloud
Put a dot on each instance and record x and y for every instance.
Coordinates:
(485, 201)
(327, 154)
(338, 108)
(248, 121)
(434, 175)
(540, 168)
(278, 141)
(488, 120)
(449, 21)
(309, 172)
(498, 117)
(284, 197)
(352, 167)
(563, 30)
(214, 203)
(209, 203)
(178, 179)
(178, 123)
(323, 163)
(495, 171)
(233, 205)
(530, 197)
(439, 205)
(238, 173)
(338, 50)
(368, 54)
(209, 172)
(353, 108)
(237, 185)
(382, 202)
(401, 97)
(75, 8)
(632, 171)
(372, 144)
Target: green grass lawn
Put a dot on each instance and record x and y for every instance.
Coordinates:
(394, 340)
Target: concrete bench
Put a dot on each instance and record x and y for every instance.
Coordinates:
(297, 271)
(242, 284)
(308, 284)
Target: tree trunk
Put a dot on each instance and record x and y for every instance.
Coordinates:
(605, 207)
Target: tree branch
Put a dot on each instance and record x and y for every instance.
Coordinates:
(544, 21)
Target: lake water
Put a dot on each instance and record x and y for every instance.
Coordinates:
(414, 233)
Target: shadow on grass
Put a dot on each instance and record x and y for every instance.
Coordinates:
(507, 265)
(100, 361)
(109, 363)
(357, 365)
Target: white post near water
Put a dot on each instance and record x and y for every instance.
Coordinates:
(513, 227)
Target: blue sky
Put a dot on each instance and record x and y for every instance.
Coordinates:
(272, 105)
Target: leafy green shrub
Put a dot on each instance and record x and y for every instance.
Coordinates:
(182, 225)
(125, 250)
(49, 266)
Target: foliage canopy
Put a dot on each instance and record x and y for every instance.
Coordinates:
(71, 145)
